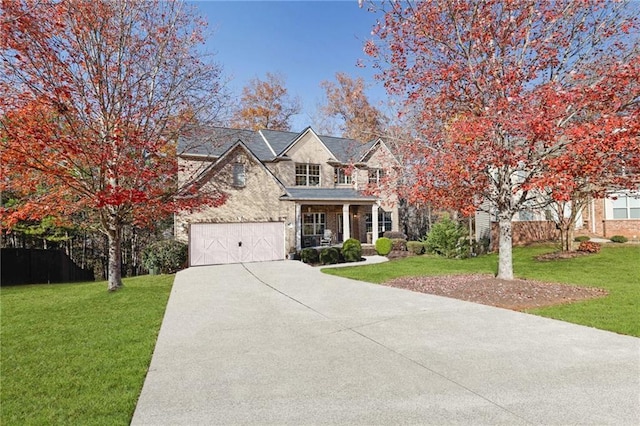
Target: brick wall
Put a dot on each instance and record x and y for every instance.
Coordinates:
(629, 228)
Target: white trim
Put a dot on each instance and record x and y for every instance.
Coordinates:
(593, 215)
(379, 142)
(267, 142)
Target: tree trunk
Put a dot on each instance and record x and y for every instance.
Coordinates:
(115, 255)
(563, 238)
(505, 247)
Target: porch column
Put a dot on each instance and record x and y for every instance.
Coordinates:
(298, 226)
(374, 223)
(346, 223)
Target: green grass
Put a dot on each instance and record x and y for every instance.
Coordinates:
(76, 354)
(615, 268)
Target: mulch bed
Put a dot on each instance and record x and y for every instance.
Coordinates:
(561, 255)
(517, 294)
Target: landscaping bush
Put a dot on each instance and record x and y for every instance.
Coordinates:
(394, 235)
(352, 250)
(581, 238)
(398, 244)
(383, 246)
(589, 247)
(309, 255)
(619, 239)
(329, 256)
(165, 257)
(415, 247)
(447, 238)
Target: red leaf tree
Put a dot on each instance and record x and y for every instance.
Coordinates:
(519, 100)
(94, 96)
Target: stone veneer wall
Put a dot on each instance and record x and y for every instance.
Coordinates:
(258, 201)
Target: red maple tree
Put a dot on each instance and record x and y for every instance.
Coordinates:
(94, 97)
(519, 100)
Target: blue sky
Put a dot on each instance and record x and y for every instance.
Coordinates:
(306, 41)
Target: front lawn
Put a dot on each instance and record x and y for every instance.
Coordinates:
(616, 268)
(76, 354)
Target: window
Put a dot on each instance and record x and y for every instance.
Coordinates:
(526, 215)
(626, 207)
(313, 224)
(341, 176)
(376, 175)
(307, 174)
(384, 221)
(238, 175)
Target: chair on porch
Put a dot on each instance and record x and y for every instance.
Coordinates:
(327, 238)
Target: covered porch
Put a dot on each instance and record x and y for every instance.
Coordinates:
(331, 216)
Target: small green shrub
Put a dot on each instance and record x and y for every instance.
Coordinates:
(166, 256)
(309, 255)
(447, 238)
(329, 256)
(383, 246)
(619, 239)
(392, 235)
(581, 238)
(398, 244)
(415, 247)
(352, 250)
(589, 247)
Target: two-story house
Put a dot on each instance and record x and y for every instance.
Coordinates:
(284, 191)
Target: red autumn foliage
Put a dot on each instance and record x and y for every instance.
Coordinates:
(521, 103)
(94, 96)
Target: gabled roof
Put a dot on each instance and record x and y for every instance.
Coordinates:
(369, 149)
(203, 176)
(266, 145)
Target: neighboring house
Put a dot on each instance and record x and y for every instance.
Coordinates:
(284, 191)
(618, 214)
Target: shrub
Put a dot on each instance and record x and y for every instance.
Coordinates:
(398, 244)
(352, 250)
(383, 246)
(309, 255)
(581, 238)
(329, 255)
(166, 256)
(447, 238)
(415, 247)
(619, 239)
(589, 247)
(392, 235)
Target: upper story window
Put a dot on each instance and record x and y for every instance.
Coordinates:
(307, 174)
(239, 176)
(376, 175)
(626, 207)
(341, 176)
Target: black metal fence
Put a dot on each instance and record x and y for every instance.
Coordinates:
(33, 266)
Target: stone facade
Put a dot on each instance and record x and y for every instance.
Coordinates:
(257, 201)
(270, 182)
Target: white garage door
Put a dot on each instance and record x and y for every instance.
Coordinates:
(220, 243)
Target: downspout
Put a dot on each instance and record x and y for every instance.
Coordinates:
(593, 215)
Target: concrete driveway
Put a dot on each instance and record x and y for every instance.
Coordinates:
(281, 343)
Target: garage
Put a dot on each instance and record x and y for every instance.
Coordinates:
(222, 243)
